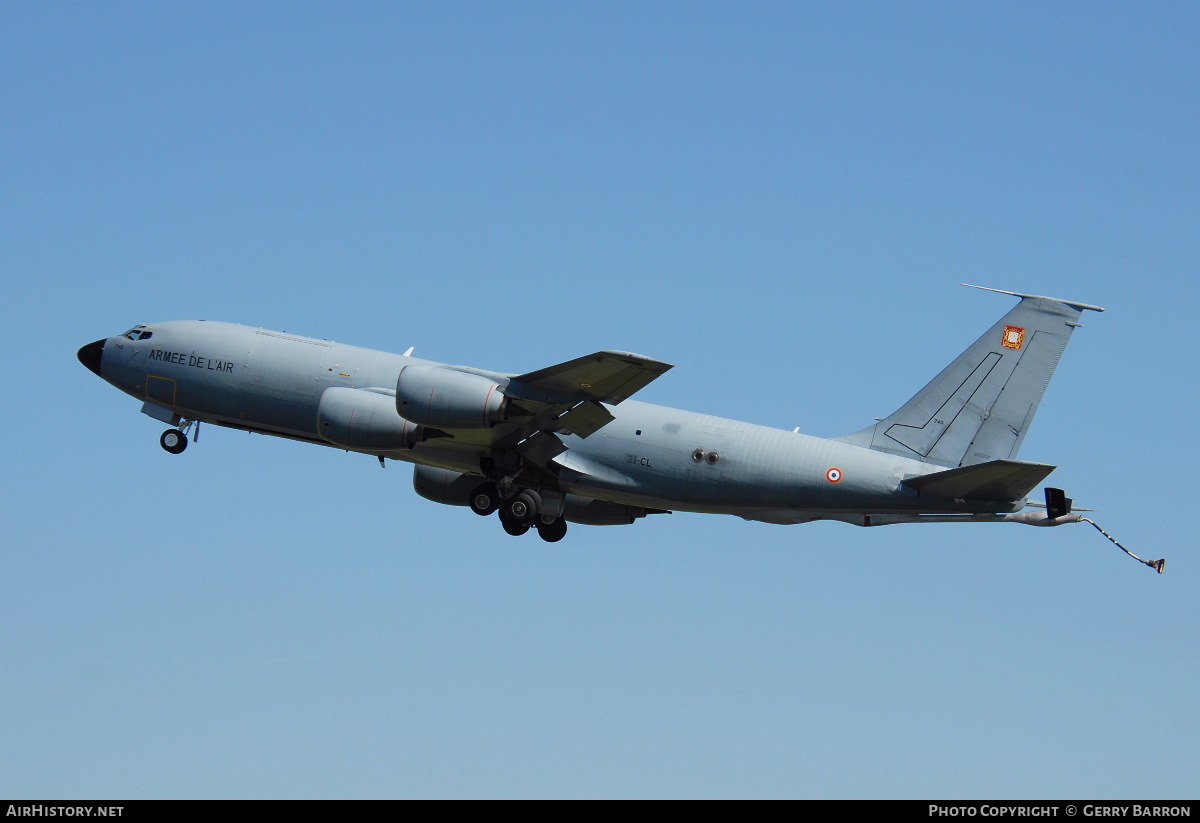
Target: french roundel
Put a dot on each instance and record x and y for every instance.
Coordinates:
(834, 475)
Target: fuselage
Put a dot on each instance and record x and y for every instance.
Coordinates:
(648, 455)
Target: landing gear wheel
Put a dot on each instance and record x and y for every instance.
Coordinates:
(553, 531)
(485, 499)
(173, 440)
(515, 529)
(522, 507)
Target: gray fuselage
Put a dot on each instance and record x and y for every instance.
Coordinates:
(650, 456)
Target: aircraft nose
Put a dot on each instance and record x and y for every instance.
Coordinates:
(90, 356)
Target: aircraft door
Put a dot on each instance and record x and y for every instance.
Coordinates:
(160, 390)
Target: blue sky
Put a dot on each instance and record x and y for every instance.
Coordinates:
(781, 199)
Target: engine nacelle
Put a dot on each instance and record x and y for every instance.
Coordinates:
(444, 486)
(448, 399)
(591, 512)
(365, 421)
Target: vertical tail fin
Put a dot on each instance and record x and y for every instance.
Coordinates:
(980, 406)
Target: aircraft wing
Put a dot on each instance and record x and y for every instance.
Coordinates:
(606, 376)
(568, 398)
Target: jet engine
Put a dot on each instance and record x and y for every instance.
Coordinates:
(447, 398)
(365, 420)
(443, 485)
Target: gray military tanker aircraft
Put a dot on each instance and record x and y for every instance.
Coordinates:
(565, 443)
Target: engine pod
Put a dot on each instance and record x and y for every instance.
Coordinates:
(579, 509)
(448, 398)
(444, 485)
(364, 421)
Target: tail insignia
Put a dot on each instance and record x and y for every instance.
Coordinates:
(1014, 337)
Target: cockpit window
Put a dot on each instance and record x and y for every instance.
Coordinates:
(138, 333)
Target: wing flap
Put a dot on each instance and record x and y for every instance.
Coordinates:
(541, 448)
(585, 419)
(1007, 480)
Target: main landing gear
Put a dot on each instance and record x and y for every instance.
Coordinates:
(518, 513)
(176, 440)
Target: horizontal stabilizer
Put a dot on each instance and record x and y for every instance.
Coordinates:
(1075, 304)
(1006, 480)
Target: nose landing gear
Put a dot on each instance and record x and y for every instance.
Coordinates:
(173, 440)
(176, 440)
